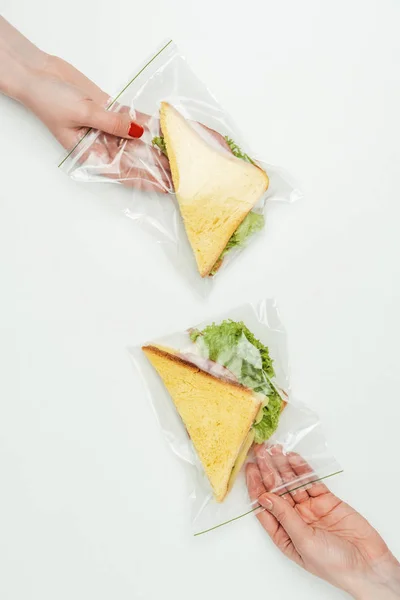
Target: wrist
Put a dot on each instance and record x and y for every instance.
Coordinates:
(27, 82)
(17, 78)
(13, 81)
(383, 582)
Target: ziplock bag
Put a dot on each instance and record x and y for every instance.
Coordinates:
(221, 392)
(209, 176)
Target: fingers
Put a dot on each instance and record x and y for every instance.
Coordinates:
(119, 123)
(139, 159)
(142, 119)
(145, 156)
(275, 530)
(117, 153)
(270, 474)
(290, 478)
(130, 162)
(306, 475)
(139, 179)
(287, 516)
(287, 474)
(256, 489)
(254, 481)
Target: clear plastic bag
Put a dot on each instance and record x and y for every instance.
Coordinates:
(233, 354)
(142, 170)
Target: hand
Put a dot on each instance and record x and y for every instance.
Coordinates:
(68, 103)
(318, 531)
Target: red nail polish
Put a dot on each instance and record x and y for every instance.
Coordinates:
(135, 130)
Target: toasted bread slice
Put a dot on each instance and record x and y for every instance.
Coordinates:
(217, 414)
(215, 190)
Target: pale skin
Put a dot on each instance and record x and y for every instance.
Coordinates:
(318, 531)
(69, 103)
(312, 527)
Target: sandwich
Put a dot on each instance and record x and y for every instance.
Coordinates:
(216, 185)
(223, 391)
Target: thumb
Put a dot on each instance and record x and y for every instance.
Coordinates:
(287, 516)
(119, 124)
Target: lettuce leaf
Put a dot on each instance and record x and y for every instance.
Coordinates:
(250, 225)
(253, 221)
(237, 151)
(232, 345)
(159, 142)
(269, 423)
(224, 338)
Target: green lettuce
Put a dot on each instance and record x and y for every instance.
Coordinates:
(253, 221)
(237, 151)
(251, 224)
(269, 423)
(232, 345)
(159, 142)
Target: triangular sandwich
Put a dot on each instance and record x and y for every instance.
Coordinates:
(215, 189)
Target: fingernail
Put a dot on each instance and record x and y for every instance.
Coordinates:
(135, 130)
(265, 502)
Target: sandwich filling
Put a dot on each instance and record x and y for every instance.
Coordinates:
(216, 370)
(230, 351)
(217, 414)
(232, 346)
(252, 223)
(223, 392)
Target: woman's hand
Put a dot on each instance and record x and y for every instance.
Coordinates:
(68, 103)
(318, 531)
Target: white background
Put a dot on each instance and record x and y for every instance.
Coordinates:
(92, 503)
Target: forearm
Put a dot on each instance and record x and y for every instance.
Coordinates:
(20, 60)
(383, 583)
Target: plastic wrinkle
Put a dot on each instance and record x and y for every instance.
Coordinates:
(299, 430)
(142, 171)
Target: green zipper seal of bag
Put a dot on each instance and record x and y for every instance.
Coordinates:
(116, 98)
(258, 506)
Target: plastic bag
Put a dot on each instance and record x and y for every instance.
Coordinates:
(142, 170)
(232, 349)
